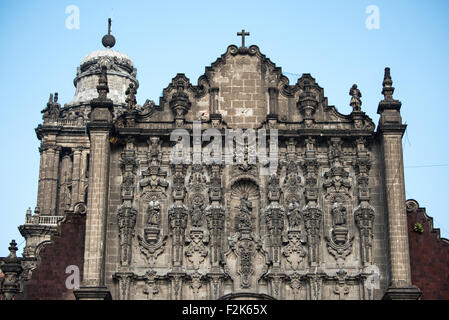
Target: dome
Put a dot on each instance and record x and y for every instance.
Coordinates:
(98, 55)
(120, 72)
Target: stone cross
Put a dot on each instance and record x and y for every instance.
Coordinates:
(243, 34)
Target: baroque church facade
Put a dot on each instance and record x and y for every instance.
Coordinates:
(329, 222)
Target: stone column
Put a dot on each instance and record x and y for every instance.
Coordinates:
(390, 133)
(83, 173)
(76, 177)
(65, 178)
(54, 173)
(41, 187)
(97, 208)
(49, 173)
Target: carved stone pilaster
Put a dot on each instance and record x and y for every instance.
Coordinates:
(312, 223)
(215, 284)
(310, 167)
(126, 213)
(364, 218)
(276, 281)
(126, 222)
(124, 284)
(315, 285)
(274, 216)
(177, 217)
(176, 281)
(362, 167)
(215, 215)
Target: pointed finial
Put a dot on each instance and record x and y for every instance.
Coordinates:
(12, 250)
(388, 101)
(108, 40)
(387, 84)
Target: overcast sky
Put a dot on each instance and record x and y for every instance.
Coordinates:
(339, 42)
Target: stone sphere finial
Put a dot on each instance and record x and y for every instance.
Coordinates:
(108, 39)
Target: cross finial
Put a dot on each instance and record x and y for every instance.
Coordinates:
(243, 34)
(109, 25)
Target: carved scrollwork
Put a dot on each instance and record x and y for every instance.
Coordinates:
(196, 250)
(294, 250)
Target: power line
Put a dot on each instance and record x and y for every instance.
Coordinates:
(429, 165)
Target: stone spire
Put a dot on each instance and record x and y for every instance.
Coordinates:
(387, 90)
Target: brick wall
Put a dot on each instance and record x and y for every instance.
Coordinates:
(429, 255)
(48, 279)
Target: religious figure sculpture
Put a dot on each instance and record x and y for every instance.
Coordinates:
(197, 216)
(131, 100)
(245, 214)
(153, 211)
(53, 108)
(338, 213)
(293, 215)
(356, 102)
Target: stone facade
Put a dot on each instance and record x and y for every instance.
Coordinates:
(328, 223)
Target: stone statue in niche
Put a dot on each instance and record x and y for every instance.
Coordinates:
(154, 213)
(338, 213)
(197, 216)
(245, 214)
(152, 230)
(294, 215)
